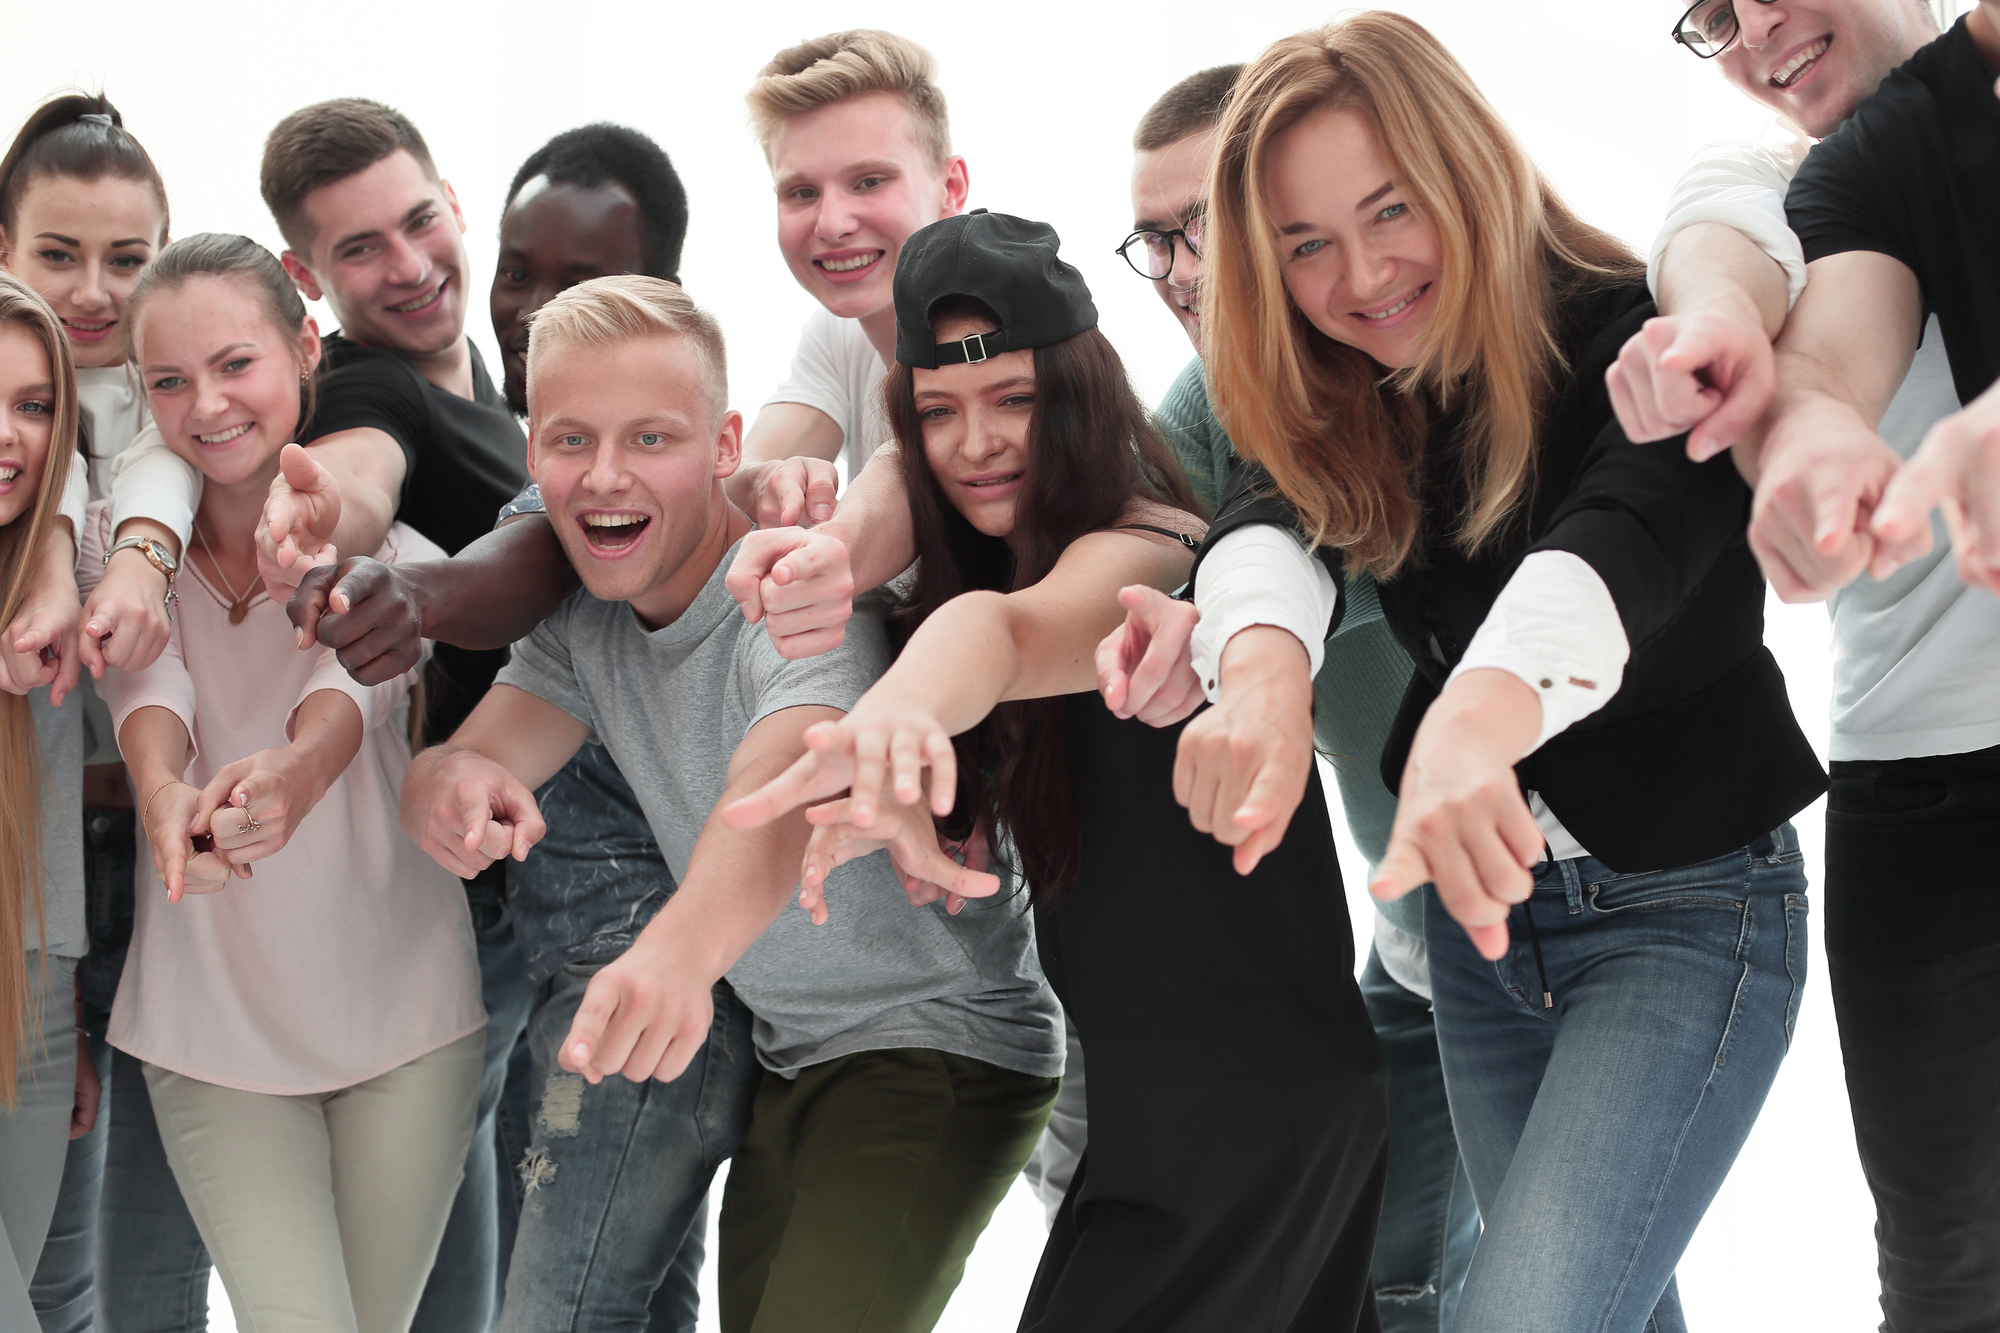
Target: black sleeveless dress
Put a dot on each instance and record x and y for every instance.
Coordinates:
(1237, 1122)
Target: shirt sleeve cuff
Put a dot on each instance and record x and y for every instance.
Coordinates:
(1259, 575)
(76, 495)
(149, 480)
(1555, 628)
(1757, 213)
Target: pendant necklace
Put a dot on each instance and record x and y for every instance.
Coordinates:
(239, 607)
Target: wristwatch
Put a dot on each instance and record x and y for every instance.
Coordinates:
(157, 555)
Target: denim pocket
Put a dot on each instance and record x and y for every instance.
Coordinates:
(1719, 883)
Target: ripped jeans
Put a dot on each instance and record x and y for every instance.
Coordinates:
(616, 1176)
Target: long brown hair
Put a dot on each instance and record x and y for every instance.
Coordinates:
(1091, 452)
(20, 751)
(1341, 439)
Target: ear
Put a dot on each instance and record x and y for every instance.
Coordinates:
(533, 436)
(302, 277)
(451, 197)
(309, 344)
(729, 445)
(957, 186)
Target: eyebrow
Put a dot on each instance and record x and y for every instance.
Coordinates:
(1295, 228)
(61, 239)
(219, 356)
(414, 211)
(1385, 187)
(1013, 383)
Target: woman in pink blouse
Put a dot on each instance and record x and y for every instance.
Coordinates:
(302, 986)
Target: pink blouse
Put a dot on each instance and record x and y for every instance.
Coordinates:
(349, 952)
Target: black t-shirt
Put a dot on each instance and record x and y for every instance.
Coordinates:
(1914, 174)
(463, 459)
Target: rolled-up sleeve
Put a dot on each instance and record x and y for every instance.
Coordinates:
(1556, 629)
(1259, 575)
(149, 480)
(1741, 186)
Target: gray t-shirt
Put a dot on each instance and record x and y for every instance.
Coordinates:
(671, 705)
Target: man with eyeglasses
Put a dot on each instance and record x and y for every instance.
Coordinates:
(1912, 898)
(1429, 1220)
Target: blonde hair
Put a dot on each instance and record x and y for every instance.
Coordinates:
(1342, 441)
(841, 65)
(20, 751)
(606, 311)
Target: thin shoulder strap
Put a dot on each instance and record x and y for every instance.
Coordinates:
(1192, 543)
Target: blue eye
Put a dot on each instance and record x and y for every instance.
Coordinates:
(1393, 211)
(1312, 247)
(36, 407)
(651, 439)
(166, 384)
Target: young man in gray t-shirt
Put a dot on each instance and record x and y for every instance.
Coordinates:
(910, 1054)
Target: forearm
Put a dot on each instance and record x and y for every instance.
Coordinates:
(1716, 269)
(366, 466)
(54, 578)
(1486, 713)
(326, 735)
(146, 527)
(497, 589)
(156, 747)
(1812, 399)
(873, 522)
(961, 662)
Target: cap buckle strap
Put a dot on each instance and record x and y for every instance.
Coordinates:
(965, 345)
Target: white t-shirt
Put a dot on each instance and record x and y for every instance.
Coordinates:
(1913, 655)
(837, 370)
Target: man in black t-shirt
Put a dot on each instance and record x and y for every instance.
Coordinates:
(1898, 212)
(408, 426)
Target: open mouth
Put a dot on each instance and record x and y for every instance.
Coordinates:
(1377, 316)
(8, 474)
(613, 532)
(850, 263)
(417, 305)
(89, 331)
(993, 483)
(1789, 73)
(222, 437)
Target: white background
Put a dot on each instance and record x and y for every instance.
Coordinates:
(1044, 96)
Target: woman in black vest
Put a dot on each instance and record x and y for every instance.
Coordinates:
(1406, 336)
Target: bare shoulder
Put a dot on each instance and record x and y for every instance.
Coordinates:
(1148, 518)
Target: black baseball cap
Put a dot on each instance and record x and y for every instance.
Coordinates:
(1006, 263)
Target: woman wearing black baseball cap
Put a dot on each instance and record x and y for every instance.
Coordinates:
(1237, 1121)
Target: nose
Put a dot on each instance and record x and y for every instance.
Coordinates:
(606, 474)
(1370, 273)
(1757, 21)
(211, 404)
(408, 266)
(1187, 267)
(90, 293)
(836, 218)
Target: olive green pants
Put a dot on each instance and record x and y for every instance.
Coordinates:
(862, 1185)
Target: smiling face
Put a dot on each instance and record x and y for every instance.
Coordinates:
(1812, 62)
(80, 244)
(1169, 188)
(1358, 261)
(630, 449)
(551, 238)
(388, 254)
(27, 418)
(853, 182)
(975, 418)
(222, 380)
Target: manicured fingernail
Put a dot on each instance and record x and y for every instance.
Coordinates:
(821, 513)
(300, 635)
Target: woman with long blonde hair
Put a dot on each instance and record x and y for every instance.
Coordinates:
(1406, 333)
(41, 780)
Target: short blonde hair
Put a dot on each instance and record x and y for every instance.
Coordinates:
(606, 311)
(841, 65)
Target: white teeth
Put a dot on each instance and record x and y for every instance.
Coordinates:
(8, 474)
(224, 437)
(612, 520)
(1395, 309)
(420, 302)
(848, 265)
(1785, 73)
(995, 481)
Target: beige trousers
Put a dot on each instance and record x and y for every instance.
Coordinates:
(323, 1212)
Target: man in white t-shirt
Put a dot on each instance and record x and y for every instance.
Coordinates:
(1915, 699)
(854, 127)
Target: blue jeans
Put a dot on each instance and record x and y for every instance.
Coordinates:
(463, 1293)
(1430, 1223)
(1598, 1126)
(120, 1212)
(617, 1176)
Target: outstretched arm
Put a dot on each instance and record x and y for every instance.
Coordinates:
(646, 1014)
(339, 495)
(972, 653)
(1819, 467)
(489, 595)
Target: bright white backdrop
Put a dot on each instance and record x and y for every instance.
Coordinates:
(1044, 95)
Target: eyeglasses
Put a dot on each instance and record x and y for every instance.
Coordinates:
(1151, 253)
(1709, 26)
